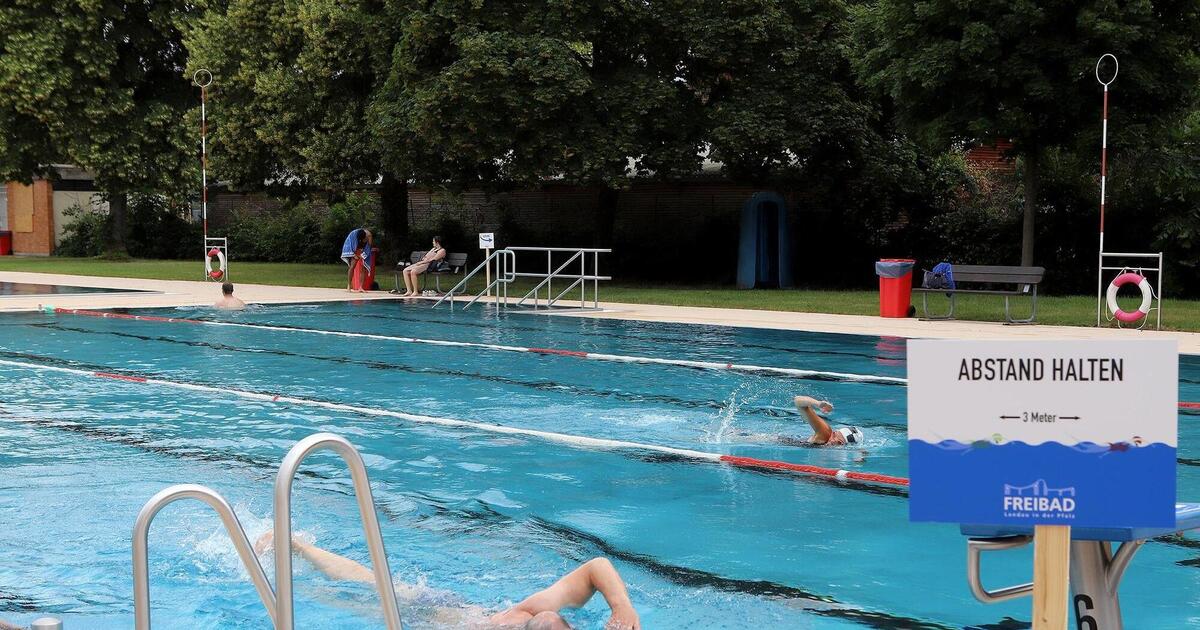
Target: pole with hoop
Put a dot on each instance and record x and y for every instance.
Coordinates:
(1103, 180)
(213, 247)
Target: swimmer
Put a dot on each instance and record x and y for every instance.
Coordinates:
(823, 434)
(539, 611)
(227, 301)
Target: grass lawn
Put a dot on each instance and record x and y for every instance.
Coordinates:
(1062, 310)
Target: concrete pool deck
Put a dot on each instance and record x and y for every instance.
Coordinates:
(172, 293)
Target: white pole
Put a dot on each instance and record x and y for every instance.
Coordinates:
(1103, 177)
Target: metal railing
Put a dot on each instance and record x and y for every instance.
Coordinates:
(278, 602)
(507, 273)
(505, 260)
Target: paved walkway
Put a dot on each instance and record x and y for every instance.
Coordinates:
(168, 293)
(172, 293)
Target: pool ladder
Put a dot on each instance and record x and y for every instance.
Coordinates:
(278, 602)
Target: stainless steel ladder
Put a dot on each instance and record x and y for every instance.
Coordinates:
(506, 274)
(279, 603)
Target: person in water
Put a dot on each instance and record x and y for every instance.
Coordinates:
(823, 434)
(228, 302)
(539, 611)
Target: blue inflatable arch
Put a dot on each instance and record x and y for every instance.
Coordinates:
(765, 246)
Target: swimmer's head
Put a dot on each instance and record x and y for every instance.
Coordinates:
(227, 288)
(852, 435)
(547, 620)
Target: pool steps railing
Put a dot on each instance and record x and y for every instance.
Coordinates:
(279, 602)
(579, 280)
(506, 274)
(578, 354)
(504, 263)
(574, 441)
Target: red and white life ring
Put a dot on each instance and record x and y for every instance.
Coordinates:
(1147, 296)
(219, 272)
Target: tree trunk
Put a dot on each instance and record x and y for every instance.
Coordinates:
(117, 206)
(393, 204)
(604, 222)
(1032, 166)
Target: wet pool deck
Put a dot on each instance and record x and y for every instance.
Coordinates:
(171, 293)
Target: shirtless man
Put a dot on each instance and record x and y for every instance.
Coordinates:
(536, 612)
(227, 301)
(823, 434)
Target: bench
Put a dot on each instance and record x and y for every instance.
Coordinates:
(1023, 280)
(457, 262)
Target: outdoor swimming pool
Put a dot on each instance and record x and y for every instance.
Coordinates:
(481, 517)
(31, 288)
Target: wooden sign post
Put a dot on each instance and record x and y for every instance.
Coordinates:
(1051, 576)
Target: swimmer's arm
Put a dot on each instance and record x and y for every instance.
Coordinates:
(577, 587)
(333, 565)
(821, 430)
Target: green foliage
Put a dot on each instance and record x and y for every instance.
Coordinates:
(98, 84)
(300, 232)
(159, 228)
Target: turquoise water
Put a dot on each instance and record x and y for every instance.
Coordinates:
(27, 288)
(481, 518)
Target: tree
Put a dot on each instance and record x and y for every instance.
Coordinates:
(293, 82)
(964, 72)
(515, 93)
(101, 85)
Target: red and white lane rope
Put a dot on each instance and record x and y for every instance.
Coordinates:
(707, 365)
(575, 441)
(620, 358)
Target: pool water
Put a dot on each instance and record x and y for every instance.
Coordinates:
(29, 288)
(480, 518)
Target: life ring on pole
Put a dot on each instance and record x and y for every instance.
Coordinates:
(1130, 277)
(222, 266)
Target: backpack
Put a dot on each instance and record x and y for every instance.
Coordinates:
(941, 277)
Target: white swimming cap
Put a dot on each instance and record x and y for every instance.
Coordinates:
(853, 435)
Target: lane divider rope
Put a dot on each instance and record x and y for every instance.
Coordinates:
(706, 365)
(576, 441)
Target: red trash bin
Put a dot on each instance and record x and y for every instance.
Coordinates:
(895, 286)
(6, 243)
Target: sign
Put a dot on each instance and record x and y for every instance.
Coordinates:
(1077, 433)
(487, 240)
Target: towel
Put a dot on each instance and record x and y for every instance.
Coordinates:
(349, 247)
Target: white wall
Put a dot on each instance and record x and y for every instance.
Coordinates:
(66, 199)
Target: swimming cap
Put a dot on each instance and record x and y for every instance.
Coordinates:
(853, 435)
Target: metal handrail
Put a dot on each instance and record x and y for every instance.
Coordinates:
(975, 547)
(502, 277)
(549, 278)
(285, 615)
(141, 536)
(506, 273)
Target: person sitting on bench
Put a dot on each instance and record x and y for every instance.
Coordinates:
(432, 257)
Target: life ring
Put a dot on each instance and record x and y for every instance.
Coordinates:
(219, 272)
(1147, 295)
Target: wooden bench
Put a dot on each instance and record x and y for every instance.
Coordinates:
(1023, 280)
(457, 262)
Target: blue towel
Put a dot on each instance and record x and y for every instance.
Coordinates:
(349, 246)
(352, 244)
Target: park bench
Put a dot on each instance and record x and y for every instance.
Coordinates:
(457, 262)
(1022, 280)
